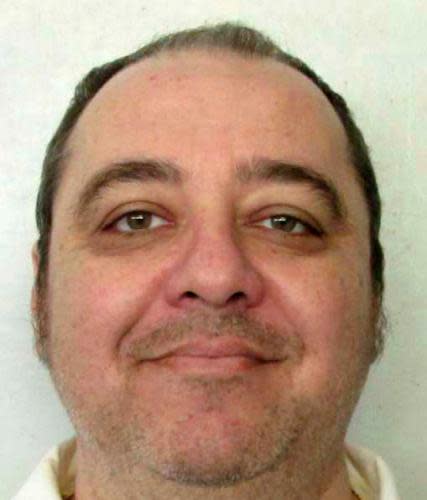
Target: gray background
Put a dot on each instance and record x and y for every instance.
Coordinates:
(373, 52)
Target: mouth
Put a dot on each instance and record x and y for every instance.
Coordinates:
(225, 357)
(200, 365)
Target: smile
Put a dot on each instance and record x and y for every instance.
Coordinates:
(205, 365)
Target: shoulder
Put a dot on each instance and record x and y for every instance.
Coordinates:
(53, 476)
(370, 476)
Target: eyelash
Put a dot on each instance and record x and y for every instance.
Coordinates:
(307, 227)
(288, 219)
(128, 214)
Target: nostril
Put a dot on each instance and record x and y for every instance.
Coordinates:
(237, 296)
(233, 299)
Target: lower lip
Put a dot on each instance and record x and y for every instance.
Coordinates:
(199, 365)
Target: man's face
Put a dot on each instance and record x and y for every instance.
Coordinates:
(225, 326)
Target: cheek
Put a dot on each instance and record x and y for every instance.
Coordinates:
(332, 317)
(92, 305)
(329, 303)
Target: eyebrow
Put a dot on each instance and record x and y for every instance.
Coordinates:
(281, 172)
(141, 171)
(258, 170)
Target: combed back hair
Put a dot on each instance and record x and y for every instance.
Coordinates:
(248, 43)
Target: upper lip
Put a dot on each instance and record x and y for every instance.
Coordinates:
(219, 348)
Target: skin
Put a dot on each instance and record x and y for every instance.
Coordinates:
(211, 266)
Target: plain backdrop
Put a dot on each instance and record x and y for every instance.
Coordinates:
(373, 52)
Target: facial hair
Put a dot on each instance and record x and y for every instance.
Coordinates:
(126, 442)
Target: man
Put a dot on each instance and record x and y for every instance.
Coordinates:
(208, 279)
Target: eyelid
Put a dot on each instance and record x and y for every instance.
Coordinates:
(297, 213)
(308, 228)
(152, 221)
(126, 209)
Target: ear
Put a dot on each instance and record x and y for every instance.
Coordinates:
(35, 257)
(379, 322)
(40, 340)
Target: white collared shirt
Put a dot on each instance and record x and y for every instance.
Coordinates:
(53, 479)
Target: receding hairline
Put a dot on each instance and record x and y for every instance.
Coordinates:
(235, 38)
(144, 67)
(180, 55)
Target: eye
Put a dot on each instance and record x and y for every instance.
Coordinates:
(291, 225)
(136, 220)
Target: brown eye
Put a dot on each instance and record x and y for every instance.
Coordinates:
(137, 220)
(287, 224)
(291, 225)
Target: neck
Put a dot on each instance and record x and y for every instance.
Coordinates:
(94, 483)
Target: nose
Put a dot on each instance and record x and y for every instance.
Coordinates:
(214, 271)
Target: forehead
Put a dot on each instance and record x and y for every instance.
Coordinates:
(208, 113)
(208, 105)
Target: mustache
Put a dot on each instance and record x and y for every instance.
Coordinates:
(271, 341)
